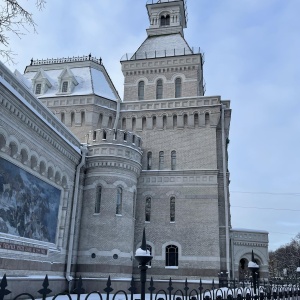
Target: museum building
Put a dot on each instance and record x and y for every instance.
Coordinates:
(83, 172)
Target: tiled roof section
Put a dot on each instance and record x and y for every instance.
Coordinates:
(163, 45)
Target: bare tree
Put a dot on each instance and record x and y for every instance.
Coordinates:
(285, 260)
(14, 19)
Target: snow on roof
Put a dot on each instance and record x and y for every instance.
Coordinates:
(164, 45)
(90, 81)
(101, 86)
(22, 79)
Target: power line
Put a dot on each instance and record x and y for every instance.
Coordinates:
(267, 193)
(271, 208)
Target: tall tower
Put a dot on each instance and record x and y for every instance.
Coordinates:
(182, 199)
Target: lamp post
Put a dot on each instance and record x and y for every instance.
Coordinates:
(143, 256)
(253, 266)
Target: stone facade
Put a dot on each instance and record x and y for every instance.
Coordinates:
(156, 160)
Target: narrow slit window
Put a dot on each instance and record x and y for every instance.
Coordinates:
(154, 122)
(119, 201)
(164, 122)
(98, 200)
(172, 209)
(178, 88)
(141, 90)
(143, 123)
(159, 89)
(148, 209)
(174, 122)
(207, 119)
(196, 120)
(161, 160)
(173, 160)
(134, 204)
(149, 160)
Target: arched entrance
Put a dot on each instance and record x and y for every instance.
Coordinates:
(244, 272)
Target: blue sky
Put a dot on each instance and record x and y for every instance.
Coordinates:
(252, 52)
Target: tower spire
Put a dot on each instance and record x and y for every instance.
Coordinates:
(166, 16)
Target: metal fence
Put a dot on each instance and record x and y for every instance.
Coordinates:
(267, 290)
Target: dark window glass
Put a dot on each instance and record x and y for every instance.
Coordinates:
(171, 256)
(65, 87)
(119, 201)
(98, 200)
(172, 209)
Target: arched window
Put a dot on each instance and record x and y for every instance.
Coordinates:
(196, 120)
(133, 124)
(82, 118)
(149, 160)
(207, 118)
(154, 122)
(185, 120)
(72, 118)
(141, 90)
(62, 117)
(125, 136)
(172, 209)
(143, 123)
(64, 88)
(174, 122)
(173, 160)
(165, 20)
(171, 256)
(98, 200)
(119, 201)
(124, 123)
(148, 209)
(104, 135)
(178, 88)
(164, 122)
(109, 125)
(100, 121)
(161, 160)
(159, 89)
(38, 89)
(94, 135)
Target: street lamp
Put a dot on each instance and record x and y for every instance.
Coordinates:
(254, 267)
(143, 256)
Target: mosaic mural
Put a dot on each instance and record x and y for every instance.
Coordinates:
(28, 205)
